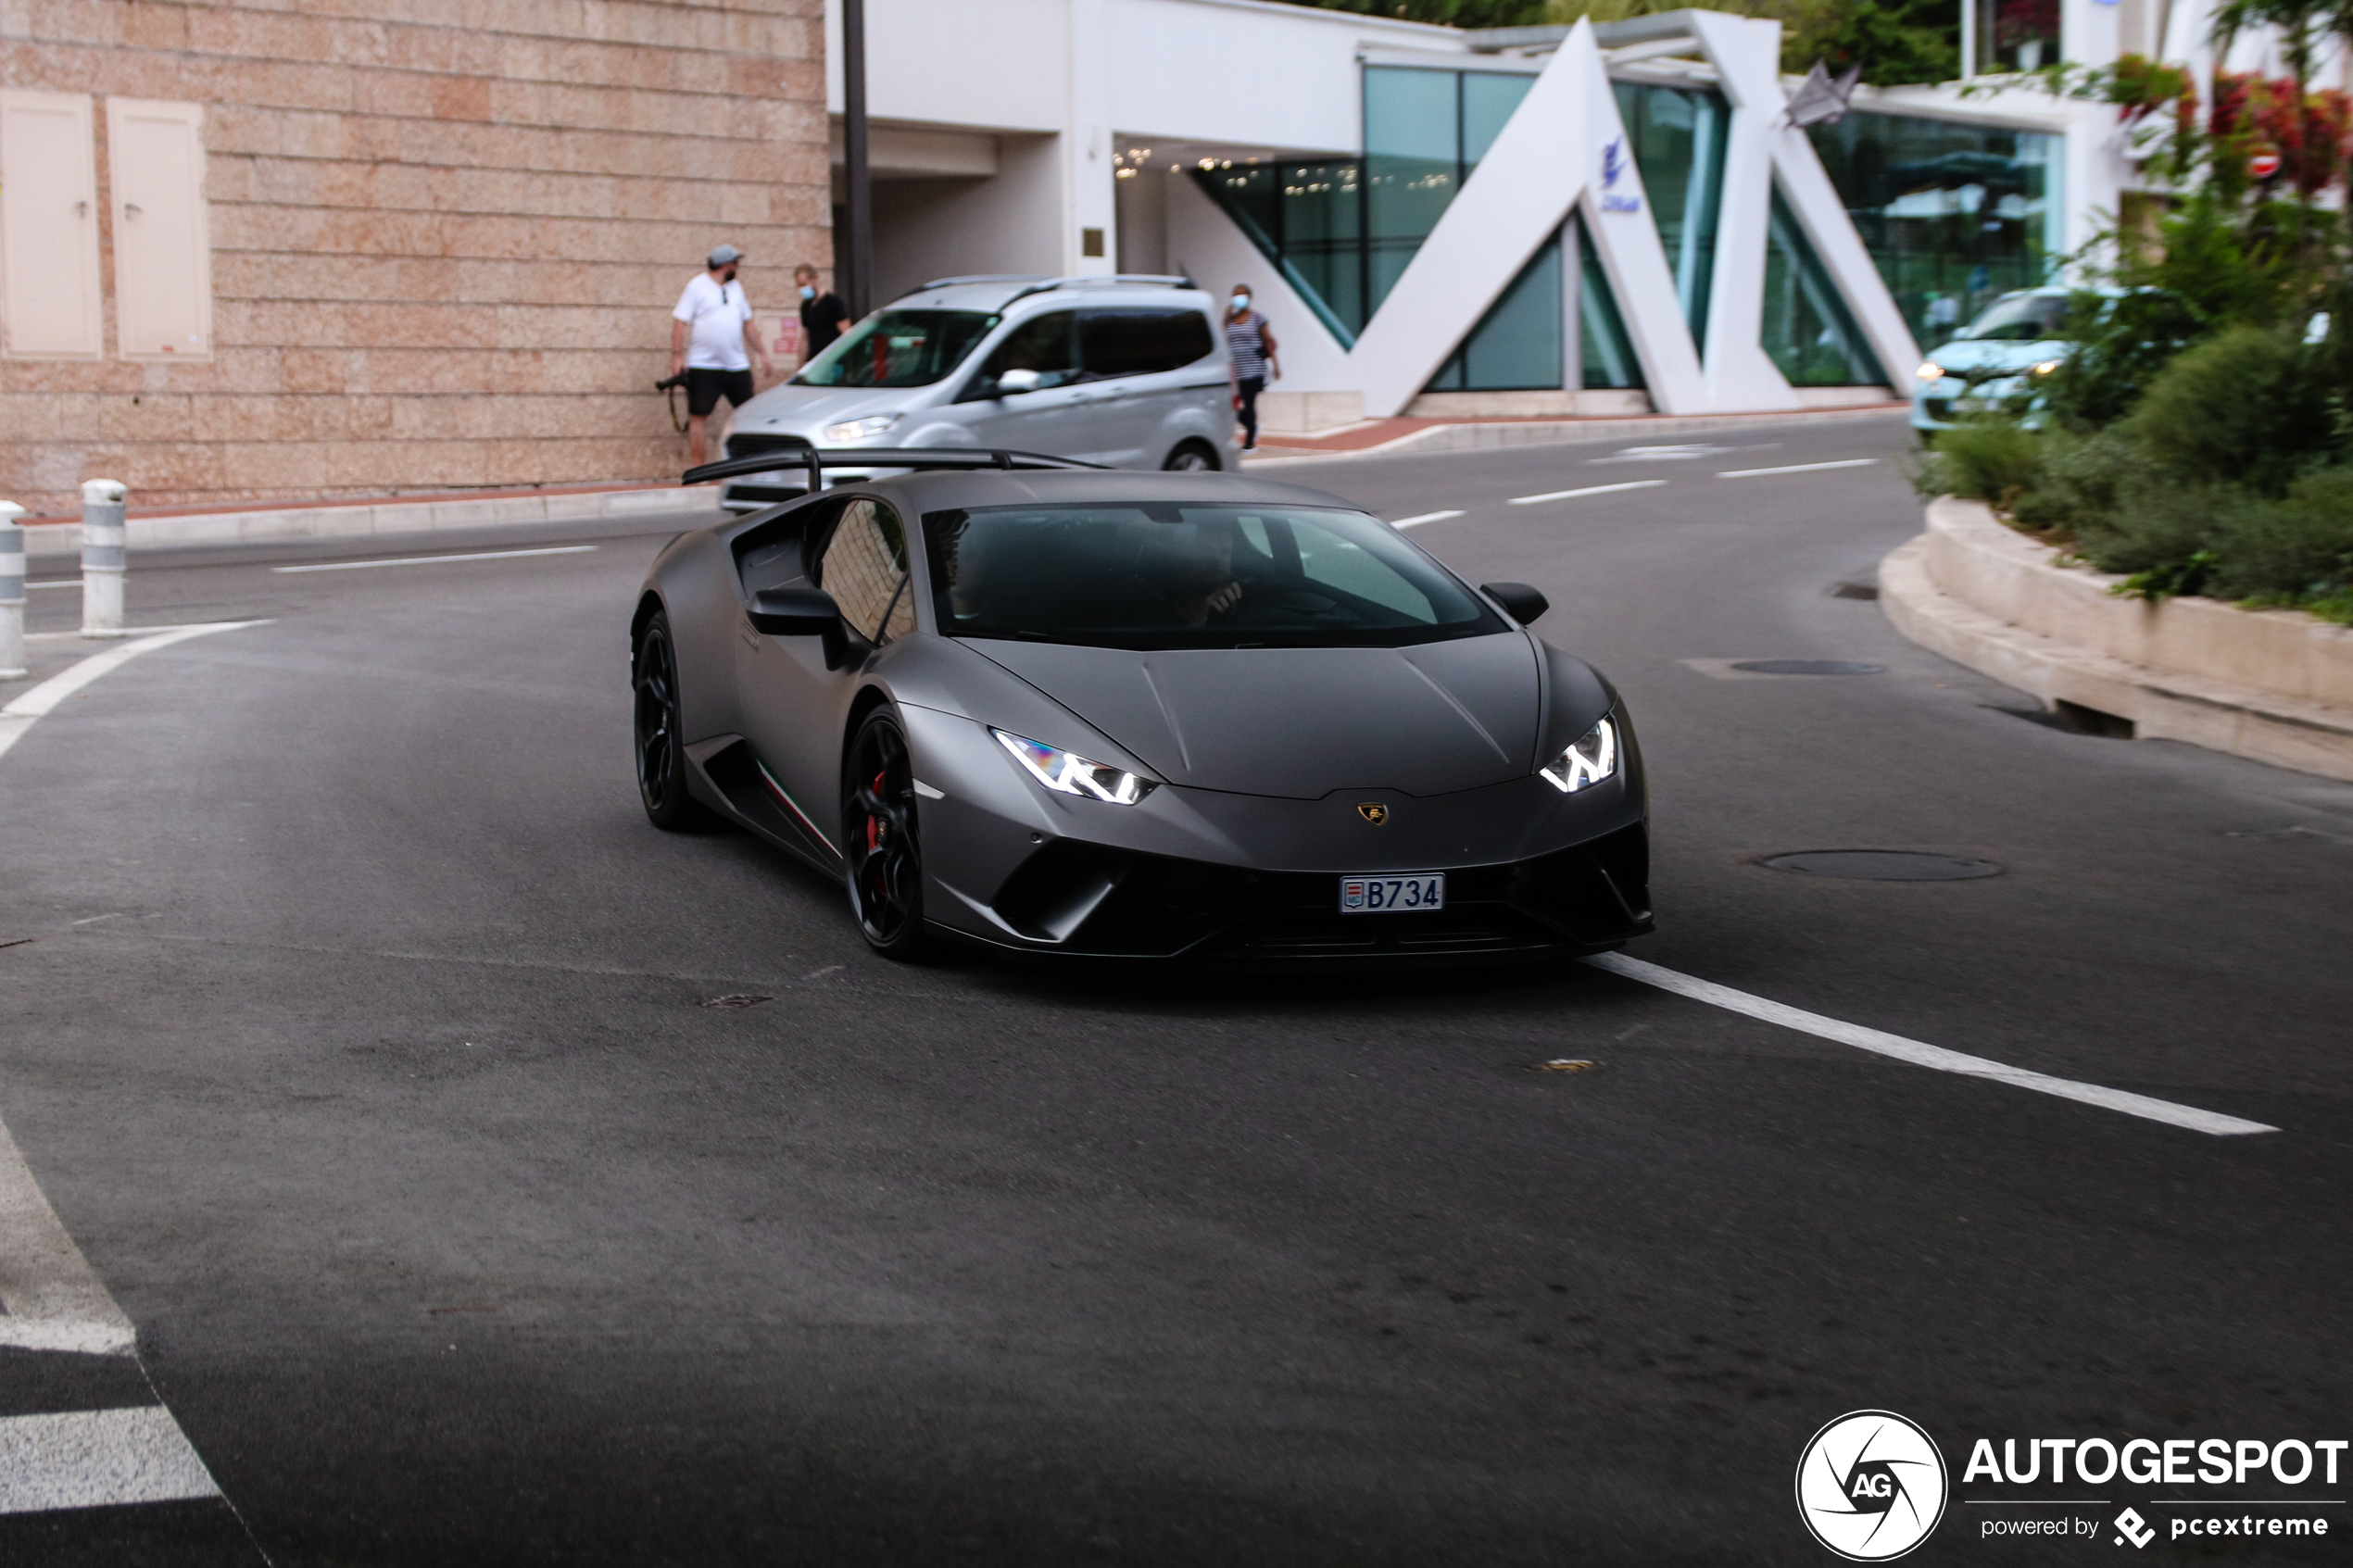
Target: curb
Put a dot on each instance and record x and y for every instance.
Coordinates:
(2162, 705)
(1473, 436)
(331, 520)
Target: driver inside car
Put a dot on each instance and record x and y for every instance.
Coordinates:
(1191, 567)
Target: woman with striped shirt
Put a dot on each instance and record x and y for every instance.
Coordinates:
(1251, 347)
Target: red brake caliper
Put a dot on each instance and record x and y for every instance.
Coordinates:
(873, 823)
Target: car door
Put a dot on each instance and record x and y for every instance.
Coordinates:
(795, 692)
(1135, 361)
(1050, 415)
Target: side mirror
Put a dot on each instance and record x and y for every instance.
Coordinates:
(1011, 382)
(1525, 604)
(794, 613)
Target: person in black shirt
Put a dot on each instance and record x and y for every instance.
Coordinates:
(822, 314)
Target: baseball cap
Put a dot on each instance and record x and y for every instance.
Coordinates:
(725, 253)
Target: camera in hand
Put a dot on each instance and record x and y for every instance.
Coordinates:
(671, 384)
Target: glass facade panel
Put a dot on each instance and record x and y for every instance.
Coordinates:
(1606, 353)
(1955, 215)
(1809, 331)
(1677, 142)
(1413, 165)
(1516, 345)
(2016, 35)
(1489, 99)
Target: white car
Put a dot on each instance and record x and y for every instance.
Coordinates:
(1992, 362)
(1125, 372)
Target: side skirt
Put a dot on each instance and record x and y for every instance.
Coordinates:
(746, 791)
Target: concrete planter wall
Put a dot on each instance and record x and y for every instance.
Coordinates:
(2272, 685)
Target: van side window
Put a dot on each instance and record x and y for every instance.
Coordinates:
(864, 568)
(1046, 344)
(1141, 342)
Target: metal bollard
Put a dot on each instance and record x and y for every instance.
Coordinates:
(102, 559)
(11, 591)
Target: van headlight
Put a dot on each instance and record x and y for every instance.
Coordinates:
(1066, 772)
(1592, 760)
(861, 430)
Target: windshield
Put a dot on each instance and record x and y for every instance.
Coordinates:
(2023, 317)
(899, 348)
(1165, 575)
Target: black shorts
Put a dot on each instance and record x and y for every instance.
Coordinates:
(704, 388)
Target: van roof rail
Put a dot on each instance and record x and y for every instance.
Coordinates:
(1148, 279)
(814, 461)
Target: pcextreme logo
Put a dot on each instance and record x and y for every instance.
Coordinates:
(1871, 1486)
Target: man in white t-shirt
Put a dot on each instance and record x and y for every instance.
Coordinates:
(707, 342)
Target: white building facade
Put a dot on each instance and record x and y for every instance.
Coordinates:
(1526, 221)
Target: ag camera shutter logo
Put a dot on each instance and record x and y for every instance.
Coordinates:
(1871, 1486)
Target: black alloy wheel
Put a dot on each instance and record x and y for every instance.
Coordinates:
(1191, 457)
(880, 840)
(662, 752)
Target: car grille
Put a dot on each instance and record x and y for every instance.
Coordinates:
(1086, 898)
(745, 444)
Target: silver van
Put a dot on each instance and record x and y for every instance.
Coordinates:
(1128, 372)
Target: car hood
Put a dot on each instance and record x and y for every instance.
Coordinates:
(1301, 723)
(801, 410)
(1964, 355)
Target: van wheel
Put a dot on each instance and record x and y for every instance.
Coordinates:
(1191, 457)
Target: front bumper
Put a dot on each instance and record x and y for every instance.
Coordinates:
(1202, 876)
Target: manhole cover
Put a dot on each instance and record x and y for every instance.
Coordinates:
(1806, 667)
(1883, 865)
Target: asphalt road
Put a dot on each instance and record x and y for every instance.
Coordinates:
(360, 1044)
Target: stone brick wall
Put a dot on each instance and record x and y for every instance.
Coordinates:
(447, 234)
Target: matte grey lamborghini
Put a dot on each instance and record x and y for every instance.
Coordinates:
(1050, 709)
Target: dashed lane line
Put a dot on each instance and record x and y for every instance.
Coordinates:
(1588, 490)
(1922, 1055)
(1799, 467)
(97, 1459)
(432, 560)
(1425, 517)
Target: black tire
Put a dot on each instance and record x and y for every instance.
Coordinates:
(662, 748)
(1192, 456)
(881, 842)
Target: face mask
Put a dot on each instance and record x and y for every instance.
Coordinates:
(808, 291)
(1241, 301)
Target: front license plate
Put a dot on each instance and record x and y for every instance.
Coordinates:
(1392, 895)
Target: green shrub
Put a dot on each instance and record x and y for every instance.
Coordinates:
(2294, 549)
(2249, 406)
(1986, 458)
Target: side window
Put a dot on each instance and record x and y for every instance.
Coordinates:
(864, 568)
(1046, 344)
(1141, 342)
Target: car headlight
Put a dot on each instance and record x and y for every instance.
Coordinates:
(859, 429)
(1592, 760)
(2045, 368)
(1930, 370)
(1066, 772)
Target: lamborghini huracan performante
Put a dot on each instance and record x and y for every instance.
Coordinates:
(1024, 704)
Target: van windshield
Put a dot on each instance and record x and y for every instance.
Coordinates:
(899, 348)
(2026, 317)
(1172, 575)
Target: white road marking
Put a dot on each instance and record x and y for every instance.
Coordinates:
(54, 1301)
(97, 1459)
(1921, 1055)
(1425, 517)
(63, 583)
(1588, 490)
(1799, 467)
(430, 561)
(18, 716)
